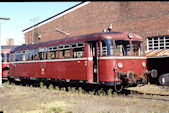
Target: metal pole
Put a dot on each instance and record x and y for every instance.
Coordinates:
(0, 60)
(1, 18)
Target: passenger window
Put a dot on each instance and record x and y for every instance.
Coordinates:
(61, 54)
(3, 57)
(78, 50)
(18, 56)
(12, 57)
(7, 55)
(42, 53)
(26, 55)
(52, 55)
(64, 51)
(52, 52)
(42, 56)
(67, 54)
(34, 54)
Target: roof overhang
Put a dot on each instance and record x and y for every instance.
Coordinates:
(55, 16)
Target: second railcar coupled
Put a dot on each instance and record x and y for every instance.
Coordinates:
(110, 58)
(5, 51)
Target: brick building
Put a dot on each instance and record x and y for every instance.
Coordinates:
(145, 18)
(10, 42)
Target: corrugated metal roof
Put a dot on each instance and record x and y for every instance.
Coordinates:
(157, 53)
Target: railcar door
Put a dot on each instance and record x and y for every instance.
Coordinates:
(93, 48)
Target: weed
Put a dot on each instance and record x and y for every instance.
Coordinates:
(69, 89)
(109, 92)
(51, 87)
(63, 89)
(115, 94)
(101, 92)
(41, 84)
(69, 111)
(31, 86)
(91, 93)
(6, 83)
(73, 89)
(80, 90)
(55, 110)
(127, 109)
(57, 88)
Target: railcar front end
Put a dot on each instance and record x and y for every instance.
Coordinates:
(5, 62)
(122, 62)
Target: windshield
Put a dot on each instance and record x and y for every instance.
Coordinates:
(121, 48)
(137, 48)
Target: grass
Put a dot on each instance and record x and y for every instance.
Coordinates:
(55, 110)
(41, 99)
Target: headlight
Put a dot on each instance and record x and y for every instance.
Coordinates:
(143, 64)
(120, 65)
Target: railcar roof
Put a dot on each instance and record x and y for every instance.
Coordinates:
(82, 38)
(7, 48)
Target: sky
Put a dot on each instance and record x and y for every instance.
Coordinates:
(21, 16)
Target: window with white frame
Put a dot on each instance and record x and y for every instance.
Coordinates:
(157, 43)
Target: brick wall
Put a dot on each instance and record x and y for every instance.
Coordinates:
(143, 18)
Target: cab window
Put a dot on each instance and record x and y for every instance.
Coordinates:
(123, 48)
(107, 48)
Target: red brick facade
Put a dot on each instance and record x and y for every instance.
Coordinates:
(143, 18)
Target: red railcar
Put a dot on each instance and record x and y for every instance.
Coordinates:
(5, 62)
(110, 58)
(5, 50)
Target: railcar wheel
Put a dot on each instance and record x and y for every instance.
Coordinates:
(119, 88)
(164, 79)
(11, 80)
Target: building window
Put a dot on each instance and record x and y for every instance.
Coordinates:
(157, 43)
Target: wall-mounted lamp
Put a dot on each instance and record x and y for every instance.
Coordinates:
(39, 37)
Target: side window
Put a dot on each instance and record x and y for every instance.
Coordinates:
(42, 53)
(7, 56)
(52, 52)
(67, 53)
(26, 55)
(78, 50)
(61, 51)
(18, 56)
(61, 54)
(12, 57)
(3, 57)
(34, 54)
(64, 51)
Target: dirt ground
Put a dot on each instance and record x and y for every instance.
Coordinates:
(16, 98)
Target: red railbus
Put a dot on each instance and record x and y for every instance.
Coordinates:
(5, 62)
(5, 50)
(110, 58)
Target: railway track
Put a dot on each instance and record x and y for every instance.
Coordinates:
(147, 96)
(94, 87)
